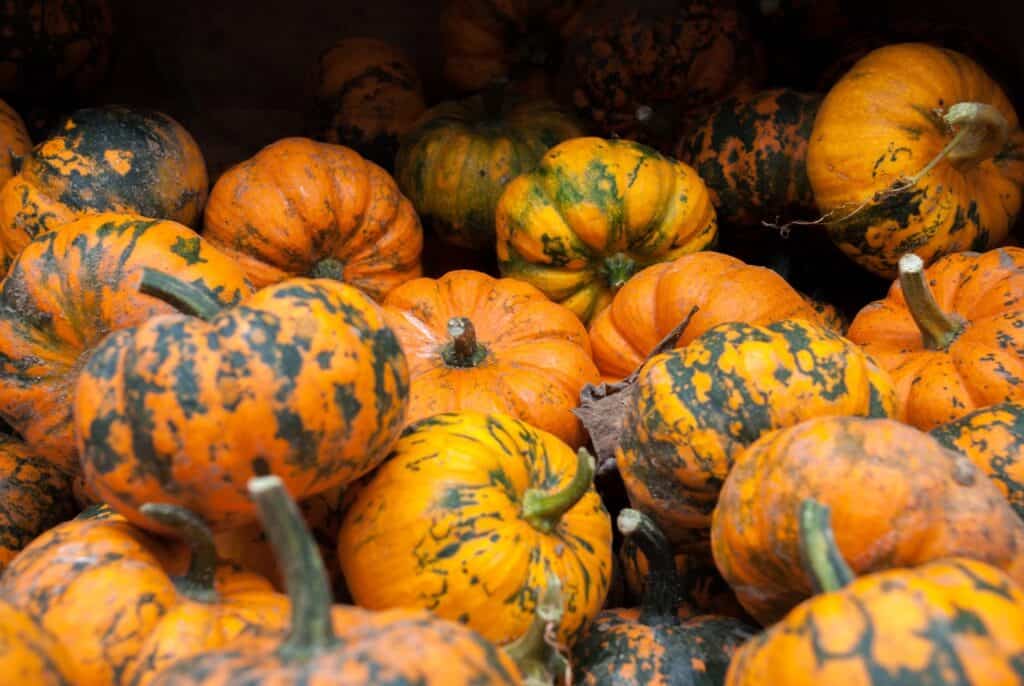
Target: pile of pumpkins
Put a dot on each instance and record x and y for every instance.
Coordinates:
(248, 441)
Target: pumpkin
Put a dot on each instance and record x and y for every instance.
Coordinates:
(340, 645)
(458, 159)
(898, 499)
(993, 439)
(915, 149)
(466, 517)
(655, 646)
(14, 142)
(302, 208)
(950, 335)
(29, 655)
(302, 379)
(474, 342)
(105, 159)
(368, 96)
(593, 213)
(71, 287)
(722, 288)
(751, 152)
(828, 313)
(35, 495)
(950, 621)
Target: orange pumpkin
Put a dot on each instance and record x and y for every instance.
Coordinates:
(14, 142)
(29, 655)
(302, 208)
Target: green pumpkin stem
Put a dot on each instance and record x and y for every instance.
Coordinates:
(661, 588)
(302, 569)
(198, 582)
(463, 350)
(328, 268)
(618, 269)
(938, 329)
(822, 560)
(185, 296)
(535, 653)
(544, 510)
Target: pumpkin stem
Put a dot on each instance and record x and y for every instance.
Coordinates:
(544, 510)
(463, 350)
(536, 652)
(302, 569)
(938, 329)
(198, 582)
(661, 589)
(618, 269)
(328, 268)
(185, 296)
(981, 132)
(822, 560)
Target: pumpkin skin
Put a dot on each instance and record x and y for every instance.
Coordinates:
(657, 299)
(459, 158)
(977, 362)
(531, 357)
(14, 141)
(829, 314)
(993, 439)
(694, 410)
(302, 208)
(28, 655)
(878, 127)
(71, 287)
(302, 379)
(368, 96)
(751, 152)
(898, 499)
(594, 212)
(454, 487)
(106, 159)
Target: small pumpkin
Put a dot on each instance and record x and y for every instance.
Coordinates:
(104, 159)
(993, 439)
(474, 342)
(751, 151)
(950, 335)
(368, 96)
(654, 646)
(898, 499)
(955, 621)
(29, 655)
(459, 158)
(302, 379)
(466, 518)
(593, 213)
(302, 208)
(14, 142)
(67, 290)
(828, 313)
(915, 149)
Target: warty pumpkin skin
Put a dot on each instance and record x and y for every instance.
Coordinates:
(29, 655)
(14, 142)
(301, 208)
(655, 301)
(593, 213)
(467, 517)
(458, 159)
(950, 335)
(898, 499)
(71, 287)
(302, 379)
(474, 342)
(106, 159)
(877, 133)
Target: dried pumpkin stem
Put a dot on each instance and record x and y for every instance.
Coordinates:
(540, 661)
(982, 131)
(463, 350)
(198, 582)
(661, 588)
(545, 510)
(938, 329)
(618, 269)
(328, 268)
(301, 567)
(821, 557)
(185, 296)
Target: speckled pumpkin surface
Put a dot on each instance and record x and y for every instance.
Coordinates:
(522, 354)
(448, 524)
(961, 353)
(897, 498)
(14, 141)
(71, 287)
(461, 155)
(302, 379)
(694, 410)
(829, 314)
(106, 159)
(302, 208)
(28, 655)
(593, 213)
(878, 129)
